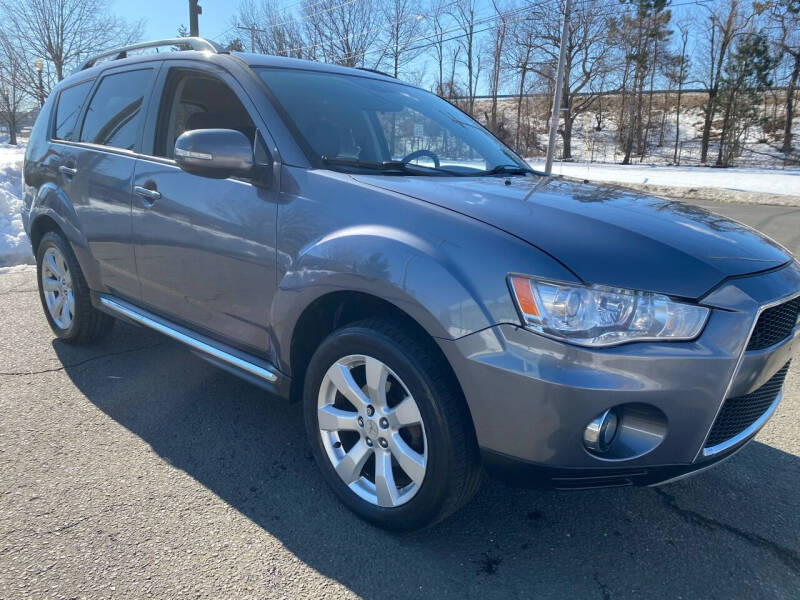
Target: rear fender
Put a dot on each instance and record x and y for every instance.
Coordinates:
(50, 202)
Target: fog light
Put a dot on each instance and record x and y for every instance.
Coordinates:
(600, 433)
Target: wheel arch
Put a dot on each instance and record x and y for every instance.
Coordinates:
(52, 211)
(337, 309)
(39, 227)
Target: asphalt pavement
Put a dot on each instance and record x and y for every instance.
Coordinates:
(133, 469)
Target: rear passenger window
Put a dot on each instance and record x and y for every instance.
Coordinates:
(116, 112)
(68, 108)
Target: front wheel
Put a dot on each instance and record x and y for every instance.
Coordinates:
(388, 426)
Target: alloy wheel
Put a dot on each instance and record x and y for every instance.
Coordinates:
(57, 288)
(372, 430)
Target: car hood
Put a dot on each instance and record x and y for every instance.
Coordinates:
(604, 234)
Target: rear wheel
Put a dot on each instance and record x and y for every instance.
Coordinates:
(389, 427)
(65, 295)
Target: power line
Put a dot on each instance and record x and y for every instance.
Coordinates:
(435, 38)
(305, 16)
(373, 30)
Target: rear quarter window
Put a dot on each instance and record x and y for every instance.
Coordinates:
(116, 112)
(68, 108)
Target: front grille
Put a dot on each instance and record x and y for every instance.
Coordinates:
(739, 413)
(774, 325)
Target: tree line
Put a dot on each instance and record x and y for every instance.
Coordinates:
(628, 62)
(733, 50)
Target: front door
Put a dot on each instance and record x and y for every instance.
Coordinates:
(205, 248)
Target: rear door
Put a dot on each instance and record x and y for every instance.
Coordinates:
(99, 172)
(59, 162)
(205, 248)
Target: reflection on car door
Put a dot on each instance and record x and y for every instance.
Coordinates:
(205, 248)
(99, 170)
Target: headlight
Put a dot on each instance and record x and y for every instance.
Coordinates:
(603, 316)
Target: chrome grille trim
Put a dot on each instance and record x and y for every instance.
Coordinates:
(706, 452)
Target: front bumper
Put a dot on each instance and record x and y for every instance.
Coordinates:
(525, 474)
(531, 397)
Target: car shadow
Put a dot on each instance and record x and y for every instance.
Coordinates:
(731, 531)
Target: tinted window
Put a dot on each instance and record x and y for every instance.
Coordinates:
(116, 111)
(68, 108)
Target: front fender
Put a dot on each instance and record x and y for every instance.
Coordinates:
(439, 285)
(391, 264)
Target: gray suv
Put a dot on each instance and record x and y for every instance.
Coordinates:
(358, 244)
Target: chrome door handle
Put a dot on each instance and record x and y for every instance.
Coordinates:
(67, 172)
(151, 195)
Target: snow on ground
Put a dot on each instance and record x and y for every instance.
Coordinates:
(770, 181)
(18, 269)
(14, 246)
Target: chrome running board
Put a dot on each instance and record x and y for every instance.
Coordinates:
(206, 349)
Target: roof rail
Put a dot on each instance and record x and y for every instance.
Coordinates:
(376, 71)
(184, 43)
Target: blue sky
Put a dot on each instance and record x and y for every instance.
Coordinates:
(163, 17)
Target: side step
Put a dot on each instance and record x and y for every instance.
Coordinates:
(249, 367)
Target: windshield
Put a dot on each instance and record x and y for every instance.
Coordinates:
(348, 122)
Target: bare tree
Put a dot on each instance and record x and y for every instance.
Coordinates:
(342, 32)
(405, 24)
(786, 15)
(642, 27)
(519, 54)
(438, 26)
(12, 95)
(60, 33)
(498, 38)
(589, 47)
(677, 73)
(272, 29)
(659, 35)
(464, 14)
(726, 21)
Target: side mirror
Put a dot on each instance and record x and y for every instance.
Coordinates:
(216, 153)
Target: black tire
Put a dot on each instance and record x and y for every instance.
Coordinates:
(453, 472)
(88, 325)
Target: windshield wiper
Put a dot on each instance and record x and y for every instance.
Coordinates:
(506, 170)
(396, 166)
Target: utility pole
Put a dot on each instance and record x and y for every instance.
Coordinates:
(252, 29)
(194, 11)
(562, 56)
(39, 65)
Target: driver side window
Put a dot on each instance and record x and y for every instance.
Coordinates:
(195, 100)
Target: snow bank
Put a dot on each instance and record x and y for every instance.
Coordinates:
(14, 246)
(770, 181)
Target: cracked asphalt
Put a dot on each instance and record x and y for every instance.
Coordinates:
(133, 469)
